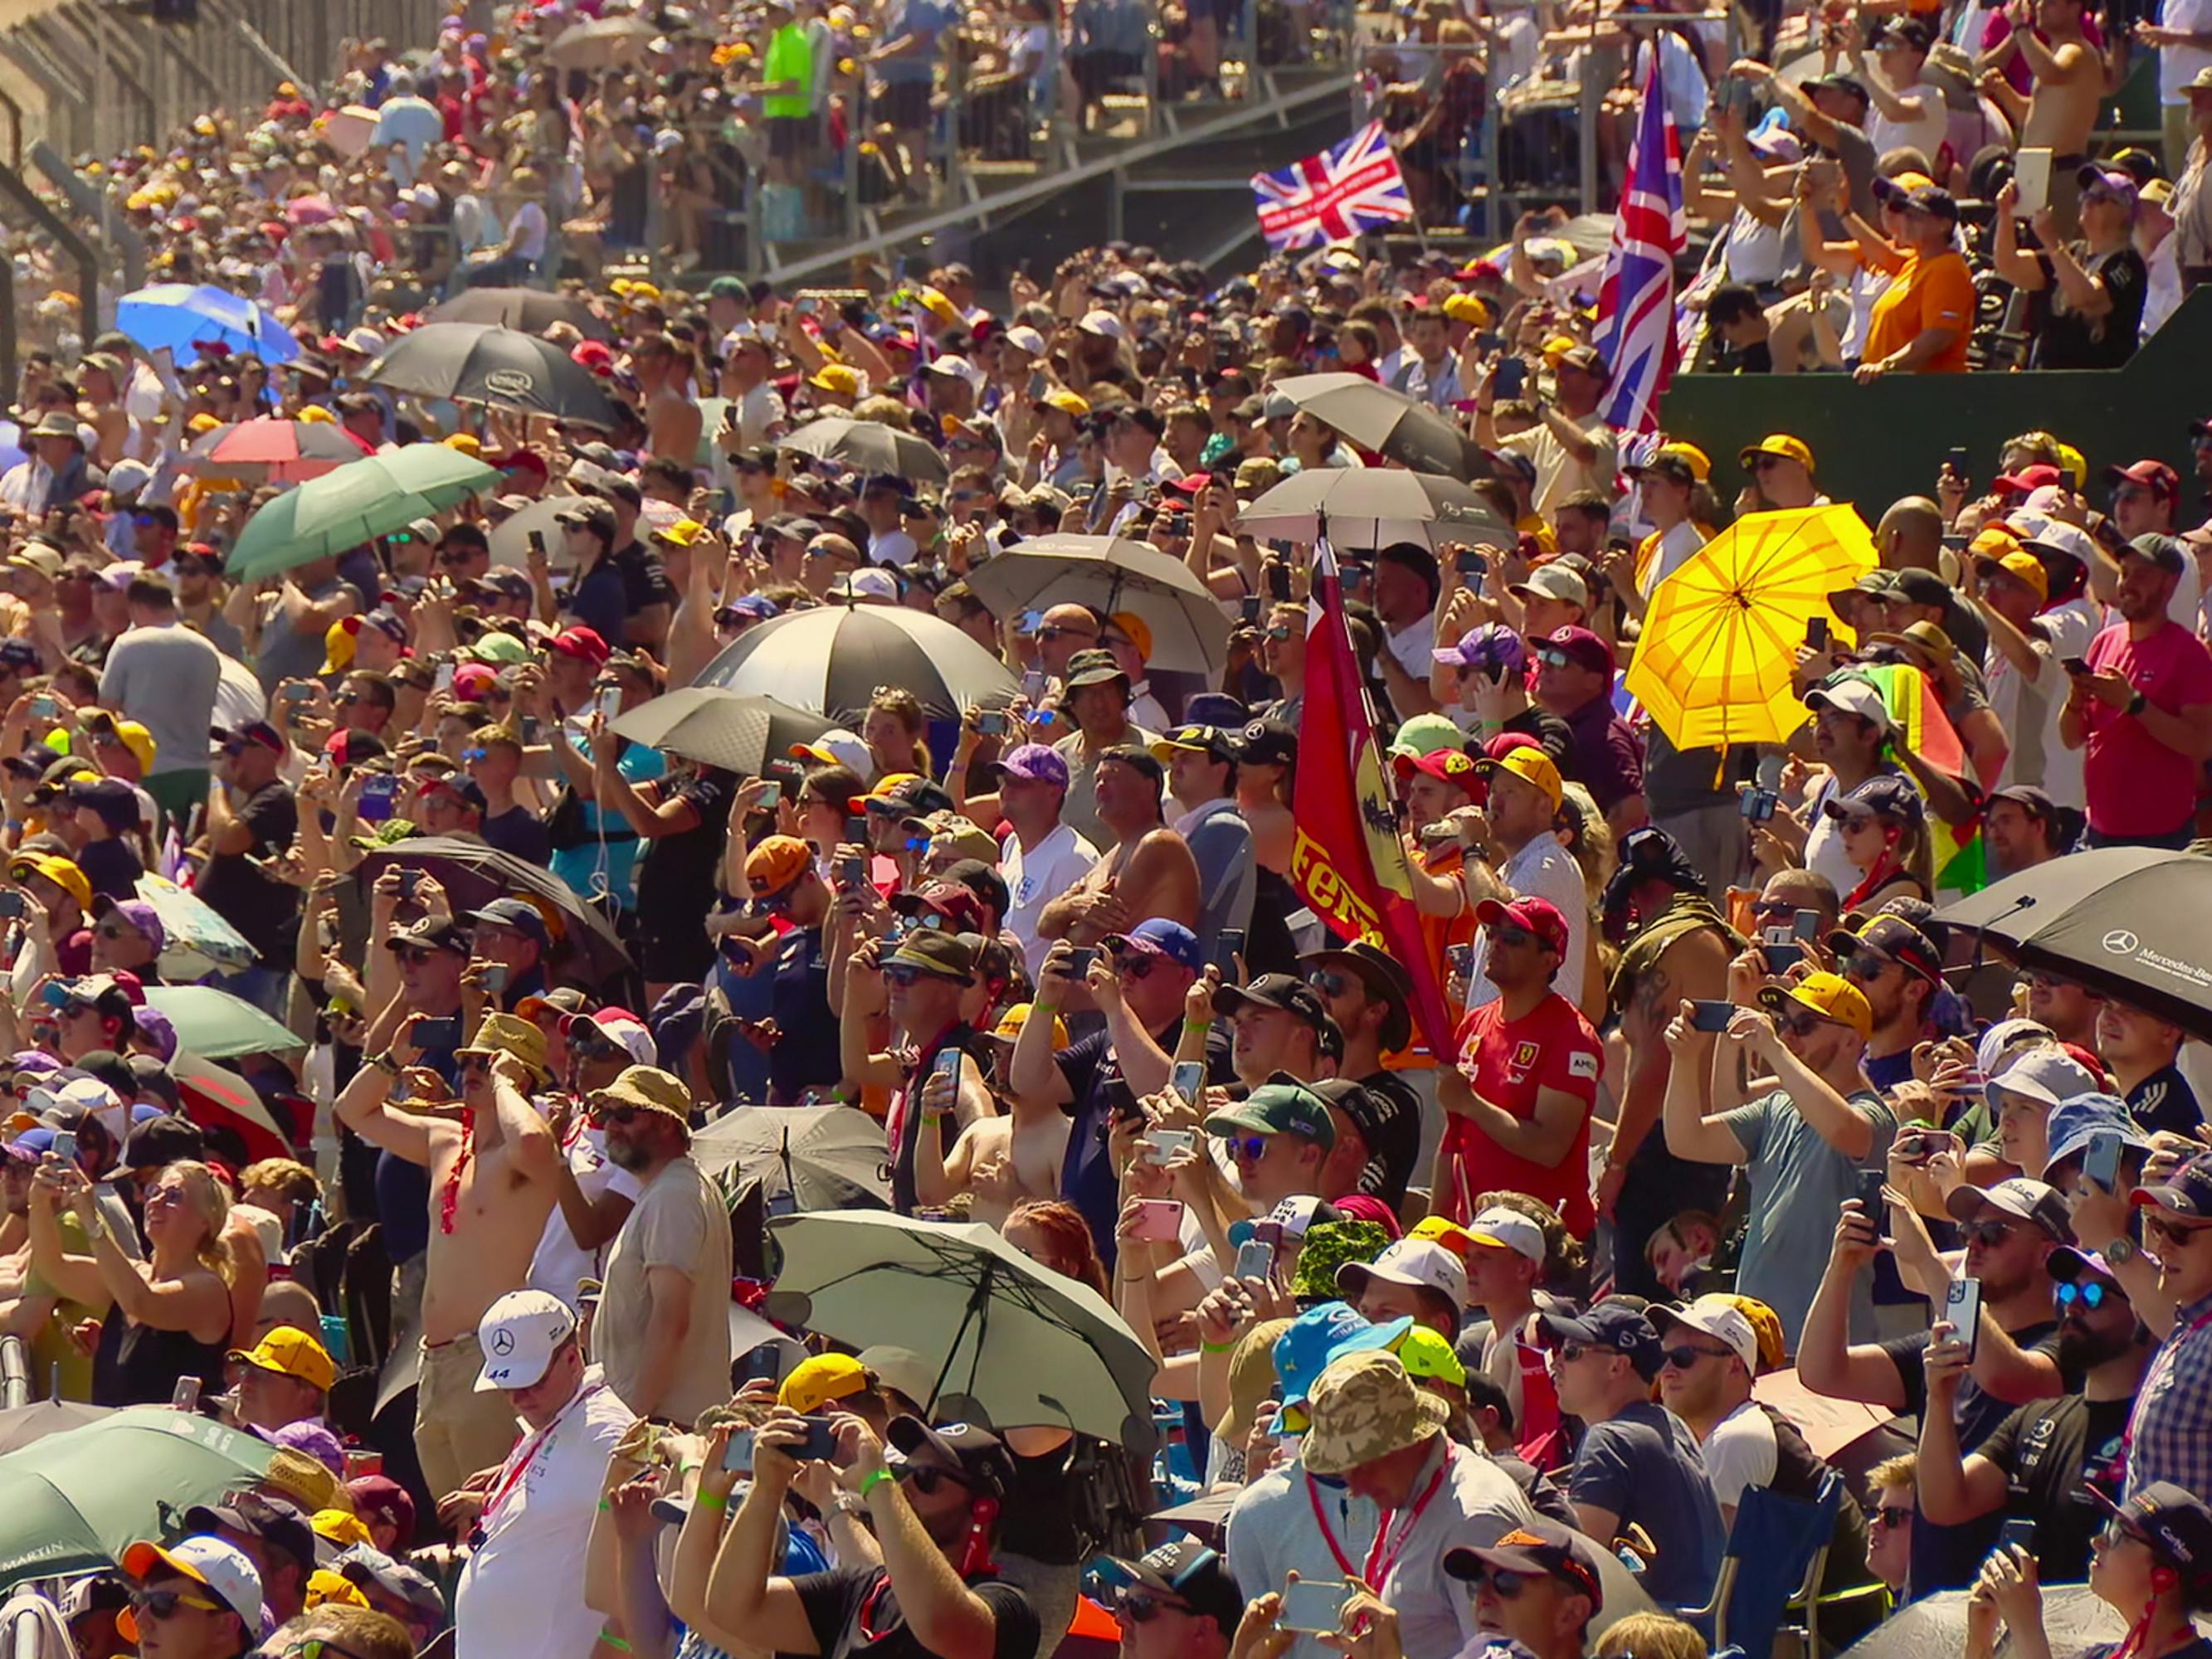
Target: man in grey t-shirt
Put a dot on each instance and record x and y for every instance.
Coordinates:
(164, 676)
(1202, 779)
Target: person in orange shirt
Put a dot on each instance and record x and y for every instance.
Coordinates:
(1922, 323)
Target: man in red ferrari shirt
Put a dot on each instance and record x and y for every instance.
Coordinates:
(1519, 1101)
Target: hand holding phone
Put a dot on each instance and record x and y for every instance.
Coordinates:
(1962, 1308)
(1158, 1220)
(1711, 1017)
(1313, 1605)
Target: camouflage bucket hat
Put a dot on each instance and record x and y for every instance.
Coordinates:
(1365, 1406)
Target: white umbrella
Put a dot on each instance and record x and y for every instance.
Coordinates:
(199, 941)
(1374, 506)
(1190, 631)
(510, 542)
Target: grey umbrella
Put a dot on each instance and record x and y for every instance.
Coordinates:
(716, 726)
(868, 446)
(532, 310)
(1388, 422)
(833, 659)
(1189, 631)
(1374, 506)
(484, 363)
(818, 1158)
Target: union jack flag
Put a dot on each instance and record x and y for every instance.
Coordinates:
(1336, 195)
(1636, 299)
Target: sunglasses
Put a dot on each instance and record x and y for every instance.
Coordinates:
(419, 954)
(1797, 1025)
(474, 755)
(2094, 1294)
(1054, 631)
(900, 975)
(1889, 1519)
(1134, 965)
(927, 1479)
(1987, 1232)
(115, 930)
(1554, 658)
(1250, 1148)
(1571, 1351)
(1686, 1357)
(2176, 1232)
(1141, 1607)
(622, 1115)
(1761, 463)
(1506, 933)
(163, 1604)
(1329, 983)
(347, 699)
(1773, 908)
(1279, 633)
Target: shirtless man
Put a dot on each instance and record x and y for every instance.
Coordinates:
(2060, 111)
(1148, 872)
(492, 1177)
(673, 420)
(1002, 1158)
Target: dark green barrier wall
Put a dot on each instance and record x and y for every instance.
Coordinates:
(1875, 443)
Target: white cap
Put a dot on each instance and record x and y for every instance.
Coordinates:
(634, 1039)
(223, 1568)
(2046, 1075)
(1508, 1229)
(867, 585)
(1854, 697)
(1717, 1317)
(519, 1334)
(2006, 1041)
(2061, 537)
(88, 1093)
(1417, 1261)
(838, 747)
(957, 368)
(365, 340)
(1027, 338)
(1555, 582)
(893, 547)
(1105, 323)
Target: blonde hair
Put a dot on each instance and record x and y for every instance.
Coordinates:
(208, 1197)
(1593, 848)
(1650, 1636)
(1564, 1257)
(902, 705)
(293, 1179)
(1897, 1473)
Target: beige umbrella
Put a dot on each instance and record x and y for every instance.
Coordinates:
(348, 131)
(600, 43)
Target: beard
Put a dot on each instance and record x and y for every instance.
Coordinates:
(626, 1155)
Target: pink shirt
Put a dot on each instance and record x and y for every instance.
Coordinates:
(1998, 30)
(2137, 786)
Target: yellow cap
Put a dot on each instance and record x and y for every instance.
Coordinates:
(837, 377)
(466, 443)
(291, 1351)
(340, 1527)
(1779, 443)
(327, 1585)
(338, 645)
(1011, 1021)
(1829, 995)
(814, 1382)
(1531, 766)
(1700, 463)
(1424, 1353)
(683, 532)
(1139, 630)
(62, 873)
(2074, 464)
(1468, 308)
(1068, 403)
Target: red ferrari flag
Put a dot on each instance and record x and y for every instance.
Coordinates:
(1348, 862)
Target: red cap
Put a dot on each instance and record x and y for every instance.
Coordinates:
(595, 355)
(2157, 474)
(2029, 478)
(1539, 915)
(1452, 766)
(1585, 647)
(582, 642)
(522, 460)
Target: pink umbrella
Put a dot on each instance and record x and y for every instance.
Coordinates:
(276, 451)
(313, 209)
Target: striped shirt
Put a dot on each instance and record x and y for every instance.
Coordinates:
(2167, 1433)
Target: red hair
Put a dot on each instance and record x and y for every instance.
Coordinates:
(1067, 1239)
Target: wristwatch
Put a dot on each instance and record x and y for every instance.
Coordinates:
(2136, 703)
(846, 1503)
(2121, 1251)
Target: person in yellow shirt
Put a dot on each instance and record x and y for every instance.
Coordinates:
(1922, 323)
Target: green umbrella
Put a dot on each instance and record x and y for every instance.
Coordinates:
(359, 501)
(216, 1024)
(75, 1501)
(1031, 1347)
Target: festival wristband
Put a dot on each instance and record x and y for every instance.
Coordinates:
(712, 1500)
(872, 1481)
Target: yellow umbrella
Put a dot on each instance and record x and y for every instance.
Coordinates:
(1720, 639)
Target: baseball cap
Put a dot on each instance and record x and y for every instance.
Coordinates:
(1425, 734)
(1896, 938)
(1611, 1324)
(1501, 1228)
(938, 954)
(291, 1352)
(820, 1378)
(520, 1334)
(1584, 648)
(2187, 1191)
(2163, 551)
(1419, 1262)
(271, 1519)
(1032, 763)
(1159, 936)
(1555, 581)
(223, 1568)
(1530, 911)
(139, 915)
(1493, 645)
(1275, 1108)
(1208, 740)
(520, 915)
(1782, 444)
(1449, 763)
(1716, 1316)
(1322, 1334)
(2020, 1197)
(1535, 1545)
(1829, 995)
(1851, 696)
(1532, 765)
(776, 862)
(1266, 743)
(1195, 1575)
(1284, 991)
(1647, 854)
(837, 747)
(978, 1454)
(2176, 1525)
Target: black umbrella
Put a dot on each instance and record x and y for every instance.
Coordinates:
(833, 659)
(2127, 922)
(720, 727)
(1390, 423)
(868, 446)
(483, 363)
(473, 874)
(532, 310)
(819, 1157)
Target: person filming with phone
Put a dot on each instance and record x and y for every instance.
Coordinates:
(934, 1498)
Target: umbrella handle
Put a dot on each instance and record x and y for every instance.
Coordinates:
(976, 1313)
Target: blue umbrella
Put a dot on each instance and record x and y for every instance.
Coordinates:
(180, 317)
